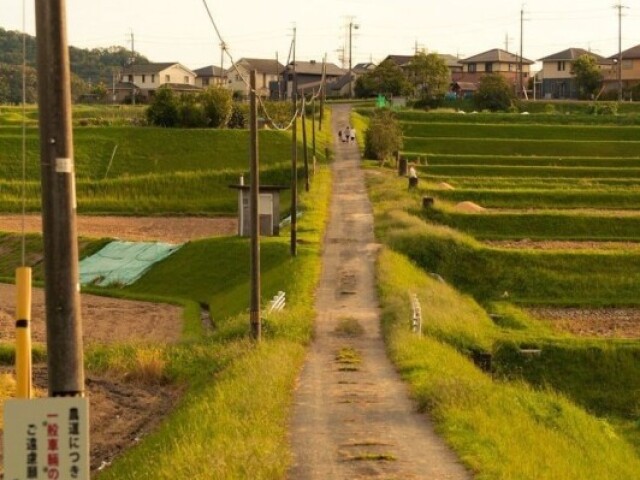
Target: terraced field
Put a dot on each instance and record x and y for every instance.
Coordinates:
(535, 217)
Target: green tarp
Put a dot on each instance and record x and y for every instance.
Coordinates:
(122, 263)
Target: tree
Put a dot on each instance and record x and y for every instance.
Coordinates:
(217, 104)
(430, 75)
(387, 79)
(163, 110)
(588, 76)
(383, 137)
(494, 93)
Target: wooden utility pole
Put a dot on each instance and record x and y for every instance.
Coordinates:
(305, 150)
(619, 6)
(133, 73)
(294, 155)
(323, 93)
(520, 64)
(223, 48)
(62, 287)
(313, 131)
(254, 208)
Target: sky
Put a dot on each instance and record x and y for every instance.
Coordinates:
(181, 31)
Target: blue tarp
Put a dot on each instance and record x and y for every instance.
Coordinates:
(122, 263)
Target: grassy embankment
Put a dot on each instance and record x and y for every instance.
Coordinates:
(538, 416)
(231, 421)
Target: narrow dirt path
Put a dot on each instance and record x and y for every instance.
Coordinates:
(352, 417)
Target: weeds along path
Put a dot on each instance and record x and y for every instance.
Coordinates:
(352, 417)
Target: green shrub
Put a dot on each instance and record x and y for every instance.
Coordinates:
(217, 106)
(163, 110)
(494, 94)
(383, 137)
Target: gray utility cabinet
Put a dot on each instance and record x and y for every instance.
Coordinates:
(268, 209)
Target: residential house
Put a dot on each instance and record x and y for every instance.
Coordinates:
(557, 76)
(268, 72)
(497, 61)
(209, 75)
(629, 70)
(362, 68)
(309, 75)
(146, 79)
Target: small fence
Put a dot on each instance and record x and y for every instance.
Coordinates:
(416, 316)
(277, 303)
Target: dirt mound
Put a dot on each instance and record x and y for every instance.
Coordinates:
(469, 207)
(445, 186)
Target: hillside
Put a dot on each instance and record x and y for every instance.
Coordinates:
(89, 66)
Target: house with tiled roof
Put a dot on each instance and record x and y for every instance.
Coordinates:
(309, 75)
(558, 80)
(268, 73)
(629, 69)
(146, 79)
(493, 61)
(209, 75)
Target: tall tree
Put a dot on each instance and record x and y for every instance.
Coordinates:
(387, 79)
(429, 74)
(588, 76)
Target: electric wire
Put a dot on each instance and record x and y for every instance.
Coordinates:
(270, 120)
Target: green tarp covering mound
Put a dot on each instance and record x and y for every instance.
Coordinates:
(122, 263)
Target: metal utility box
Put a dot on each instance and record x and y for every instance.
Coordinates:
(268, 209)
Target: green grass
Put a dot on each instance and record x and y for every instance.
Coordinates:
(523, 132)
(499, 429)
(503, 146)
(544, 199)
(545, 225)
(515, 118)
(523, 161)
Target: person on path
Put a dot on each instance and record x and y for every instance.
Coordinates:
(347, 133)
(352, 137)
(340, 135)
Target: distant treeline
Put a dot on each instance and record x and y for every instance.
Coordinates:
(89, 67)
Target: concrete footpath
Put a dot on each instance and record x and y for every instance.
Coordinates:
(352, 417)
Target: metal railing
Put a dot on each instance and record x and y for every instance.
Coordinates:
(277, 303)
(416, 316)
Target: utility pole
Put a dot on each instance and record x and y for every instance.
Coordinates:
(64, 325)
(278, 75)
(352, 26)
(254, 311)
(323, 93)
(294, 156)
(619, 6)
(223, 49)
(305, 149)
(506, 41)
(520, 65)
(133, 73)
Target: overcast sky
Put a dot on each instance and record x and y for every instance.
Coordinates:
(180, 30)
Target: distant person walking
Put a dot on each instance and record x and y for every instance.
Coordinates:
(347, 133)
(340, 135)
(352, 137)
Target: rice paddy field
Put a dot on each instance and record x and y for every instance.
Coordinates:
(534, 223)
(123, 169)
